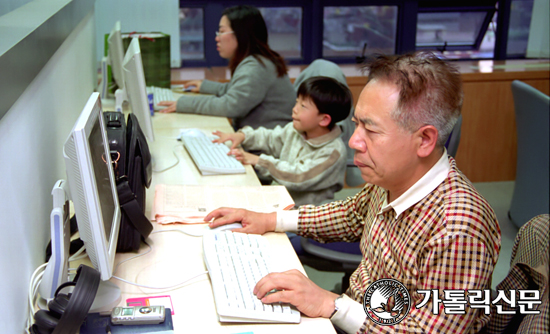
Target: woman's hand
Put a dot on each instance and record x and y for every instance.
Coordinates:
(196, 83)
(171, 106)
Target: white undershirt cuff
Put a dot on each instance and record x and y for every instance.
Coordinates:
(350, 316)
(287, 221)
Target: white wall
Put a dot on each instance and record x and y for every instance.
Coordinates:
(7, 6)
(32, 134)
(140, 16)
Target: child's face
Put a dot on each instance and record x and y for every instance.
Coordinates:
(305, 115)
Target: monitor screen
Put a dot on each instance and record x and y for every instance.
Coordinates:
(135, 89)
(116, 54)
(92, 186)
(101, 173)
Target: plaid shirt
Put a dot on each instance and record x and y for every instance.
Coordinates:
(529, 262)
(450, 239)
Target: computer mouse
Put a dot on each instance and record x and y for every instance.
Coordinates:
(188, 89)
(225, 227)
(191, 133)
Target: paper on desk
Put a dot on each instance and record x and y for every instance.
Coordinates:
(189, 204)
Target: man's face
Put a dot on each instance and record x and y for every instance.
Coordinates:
(384, 152)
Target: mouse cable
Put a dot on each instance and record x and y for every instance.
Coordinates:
(76, 256)
(163, 287)
(180, 231)
(147, 252)
(172, 166)
(150, 248)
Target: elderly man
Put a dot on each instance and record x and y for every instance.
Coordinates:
(419, 219)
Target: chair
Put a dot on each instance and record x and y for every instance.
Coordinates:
(342, 256)
(531, 190)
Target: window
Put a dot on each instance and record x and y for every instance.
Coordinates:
(449, 30)
(352, 31)
(192, 33)
(518, 33)
(485, 50)
(284, 27)
(344, 30)
(457, 29)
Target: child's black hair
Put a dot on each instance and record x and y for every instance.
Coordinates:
(329, 96)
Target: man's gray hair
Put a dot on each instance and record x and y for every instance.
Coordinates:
(430, 90)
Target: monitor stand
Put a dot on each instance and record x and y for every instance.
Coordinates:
(56, 273)
(108, 296)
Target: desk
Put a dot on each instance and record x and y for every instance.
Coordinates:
(176, 256)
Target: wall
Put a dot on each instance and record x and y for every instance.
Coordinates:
(538, 45)
(7, 6)
(141, 16)
(32, 134)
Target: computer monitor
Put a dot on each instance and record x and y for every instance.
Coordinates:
(135, 88)
(116, 54)
(94, 194)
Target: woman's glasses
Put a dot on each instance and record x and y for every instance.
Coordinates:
(218, 34)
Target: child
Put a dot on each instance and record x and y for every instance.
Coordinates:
(307, 156)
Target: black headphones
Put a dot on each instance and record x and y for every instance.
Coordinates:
(68, 311)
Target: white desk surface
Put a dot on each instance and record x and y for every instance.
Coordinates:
(175, 256)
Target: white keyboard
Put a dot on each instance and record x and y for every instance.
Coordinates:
(236, 262)
(211, 158)
(160, 94)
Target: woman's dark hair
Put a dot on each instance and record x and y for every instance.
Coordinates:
(251, 32)
(329, 96)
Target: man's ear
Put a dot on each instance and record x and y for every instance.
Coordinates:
(428, 139)
(325, 120)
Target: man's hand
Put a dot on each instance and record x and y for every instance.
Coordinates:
(235, 138)
(296, 289)
(171, 106)
(244, 157)
(253, 222)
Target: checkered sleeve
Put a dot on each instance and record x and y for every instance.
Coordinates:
(528, 270)
(339, 220)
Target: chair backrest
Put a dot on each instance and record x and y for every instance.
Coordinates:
(531, 190)
(454, 138)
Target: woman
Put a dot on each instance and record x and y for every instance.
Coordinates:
(260, 92)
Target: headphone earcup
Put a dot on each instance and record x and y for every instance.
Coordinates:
(67, 312)
(45, 321)
(59, 304)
